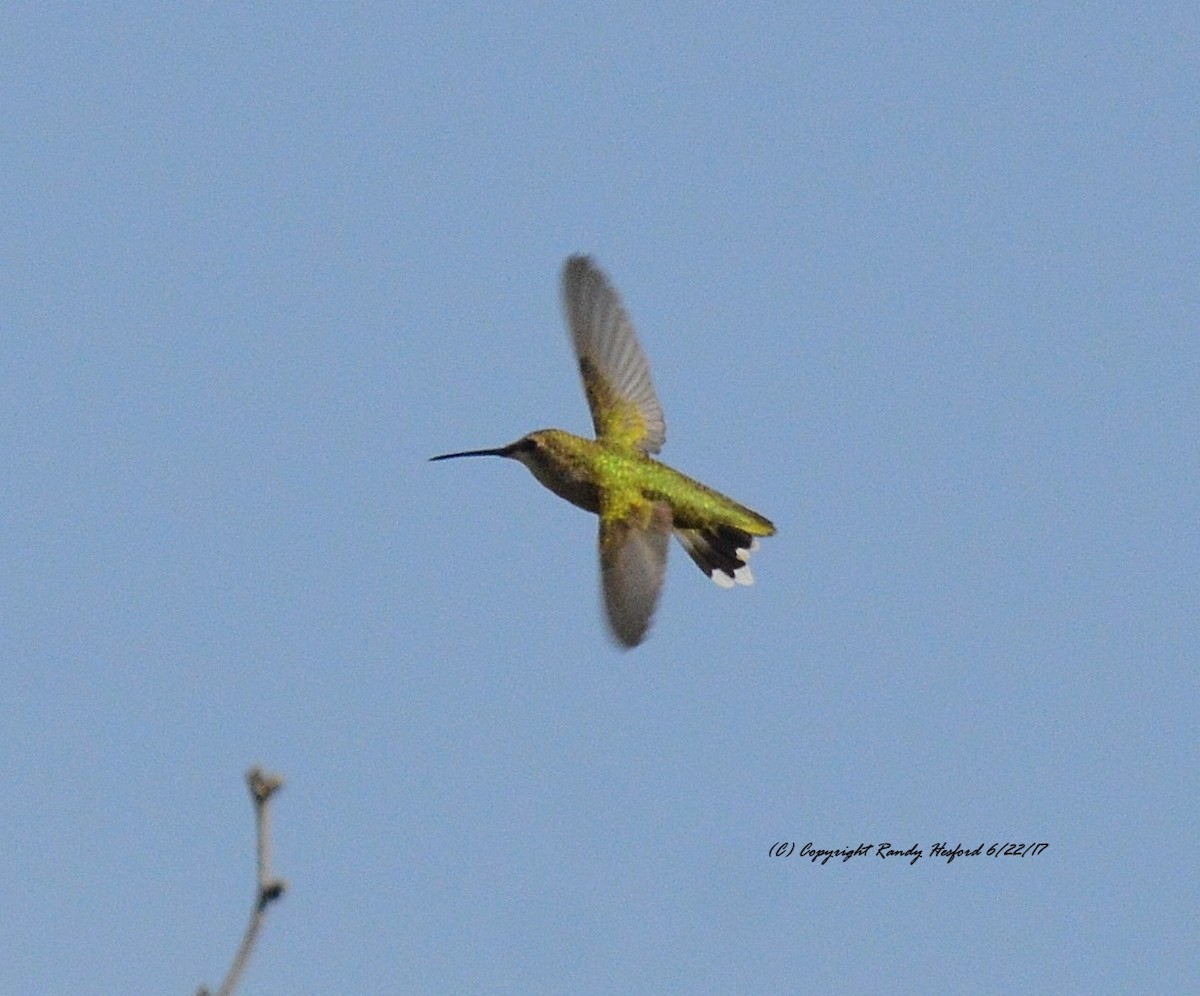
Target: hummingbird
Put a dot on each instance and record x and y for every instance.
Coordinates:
(640, 501)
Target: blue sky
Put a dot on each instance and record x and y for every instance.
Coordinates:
(917, 282)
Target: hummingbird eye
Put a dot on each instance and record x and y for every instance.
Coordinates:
(525, 445)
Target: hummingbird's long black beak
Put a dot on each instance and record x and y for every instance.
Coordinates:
(500, 451)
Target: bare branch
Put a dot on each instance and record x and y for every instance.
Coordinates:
(262, 787)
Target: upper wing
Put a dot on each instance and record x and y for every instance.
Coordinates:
(633, 562)
(616, 376)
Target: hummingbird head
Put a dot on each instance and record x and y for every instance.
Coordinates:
(548, 455)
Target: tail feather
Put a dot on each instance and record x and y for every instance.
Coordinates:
(721, 552)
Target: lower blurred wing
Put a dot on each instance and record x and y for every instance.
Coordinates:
(633, 562)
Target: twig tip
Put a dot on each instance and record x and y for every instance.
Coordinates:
(262, 784)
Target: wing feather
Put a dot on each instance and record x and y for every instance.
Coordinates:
(616, 375)
(633, 563)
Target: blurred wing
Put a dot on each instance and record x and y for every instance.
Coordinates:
(616, 376)
(633, 562)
